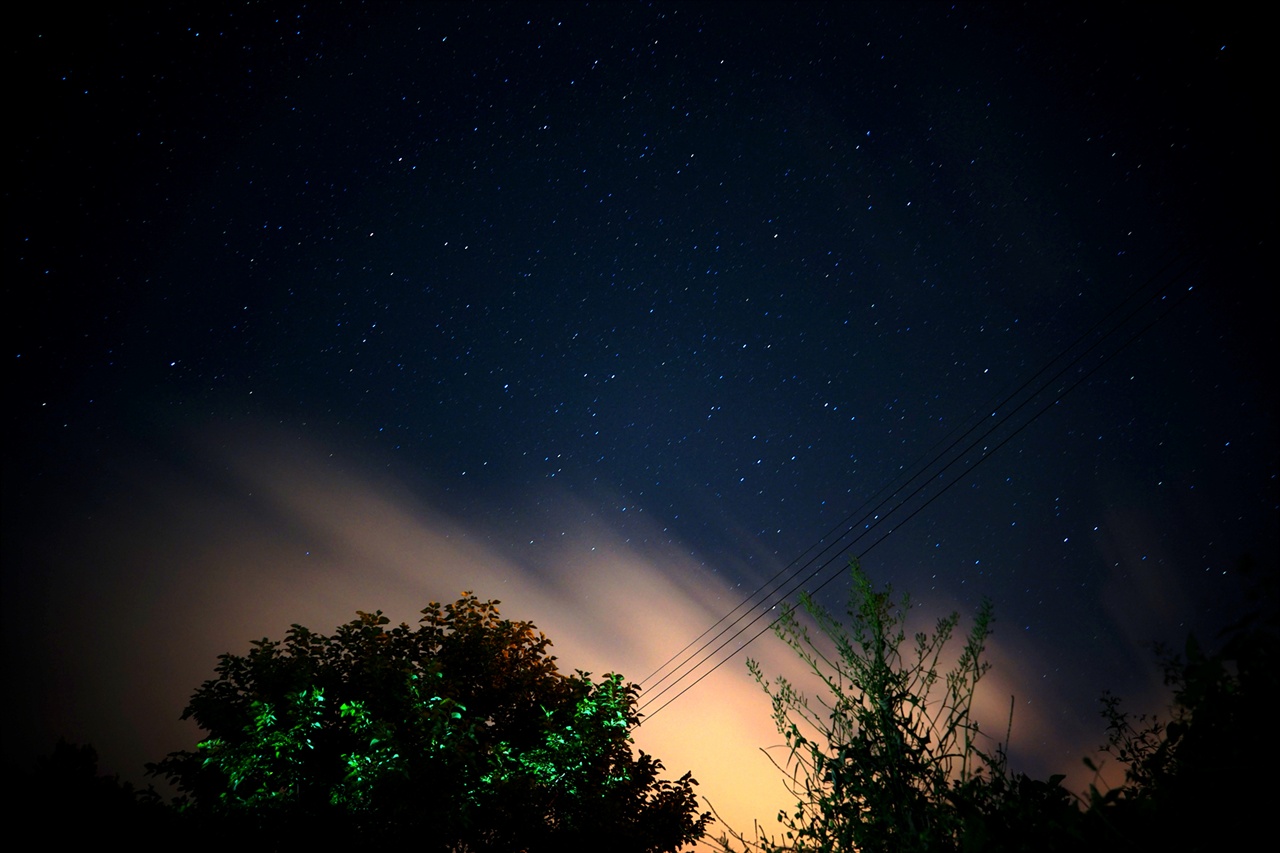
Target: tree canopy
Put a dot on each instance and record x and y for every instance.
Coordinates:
(1212, 753)
(458, 735)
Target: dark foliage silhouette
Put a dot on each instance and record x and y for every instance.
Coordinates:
(890, 758)
(67, 782)
(1192, 778)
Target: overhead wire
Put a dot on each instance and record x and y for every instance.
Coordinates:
(926, 464)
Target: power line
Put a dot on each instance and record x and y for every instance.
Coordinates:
(687, 666)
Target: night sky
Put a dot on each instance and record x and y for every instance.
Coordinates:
(611, 312)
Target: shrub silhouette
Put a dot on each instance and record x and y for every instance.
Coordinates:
(1193, 780)
(887, 759)
(890, 758)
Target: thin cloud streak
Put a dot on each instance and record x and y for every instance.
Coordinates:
(258, 533)
(255, 532)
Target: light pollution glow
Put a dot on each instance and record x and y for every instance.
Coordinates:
(265, 532)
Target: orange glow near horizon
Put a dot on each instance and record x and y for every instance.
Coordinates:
(282, 535)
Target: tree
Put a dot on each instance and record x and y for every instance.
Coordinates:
(1209, 754)
(93, 805)
(889, 758)
(459, 735)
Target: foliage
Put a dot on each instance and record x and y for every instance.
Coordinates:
(1204, 758)
(68, 782)
(459, 735)
(889, 758)
(876, 763)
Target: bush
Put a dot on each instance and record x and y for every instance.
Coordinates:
(889, 759)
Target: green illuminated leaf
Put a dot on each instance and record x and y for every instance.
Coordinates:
(459, 726)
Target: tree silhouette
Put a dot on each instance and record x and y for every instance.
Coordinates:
(1194, 779)
(458, 735)
(67, 782)
(889, 757)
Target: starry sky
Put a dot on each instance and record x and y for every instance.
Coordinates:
(613, 312)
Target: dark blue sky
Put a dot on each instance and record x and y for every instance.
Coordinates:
(699, 280)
